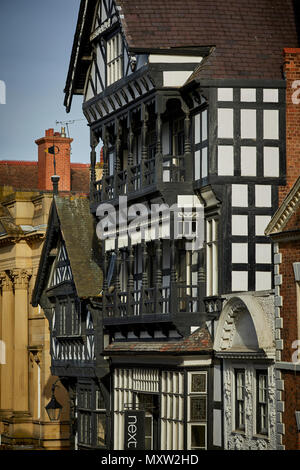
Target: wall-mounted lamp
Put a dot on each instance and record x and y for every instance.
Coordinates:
(54, 407)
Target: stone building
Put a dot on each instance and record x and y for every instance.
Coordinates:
(25, 378)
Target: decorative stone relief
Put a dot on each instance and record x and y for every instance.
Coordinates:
(5, 281)
(261, 444)
(21, 278)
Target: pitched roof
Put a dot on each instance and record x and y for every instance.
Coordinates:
(78, 229)
(198, 342)
(24, 175)
(248, 35)
(72, 218)
(285, 211)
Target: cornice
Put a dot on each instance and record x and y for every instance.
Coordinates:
(283, 214)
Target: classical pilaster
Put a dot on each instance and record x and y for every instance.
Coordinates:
(21, 279)
(7, 325)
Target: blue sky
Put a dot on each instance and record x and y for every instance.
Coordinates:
(36, 38)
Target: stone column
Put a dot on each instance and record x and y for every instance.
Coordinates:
(7, 327)
(21, 359)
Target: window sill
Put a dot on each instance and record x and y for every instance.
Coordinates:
(261, 436)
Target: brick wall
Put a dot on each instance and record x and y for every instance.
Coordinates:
(290, 252)
(62, 158)
(291, 396)
(292, 73)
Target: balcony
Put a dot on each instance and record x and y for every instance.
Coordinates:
(151, 175)
(151, 304)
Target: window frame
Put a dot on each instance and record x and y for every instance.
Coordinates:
(211, 254)
(259, 429)
(114, 54)
(238, 425)
(194, 423)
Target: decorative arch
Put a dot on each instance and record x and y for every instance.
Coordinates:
(243, 326)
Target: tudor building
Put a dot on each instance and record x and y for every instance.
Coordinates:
(190, 107)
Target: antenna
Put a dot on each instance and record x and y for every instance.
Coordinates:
(66, 123)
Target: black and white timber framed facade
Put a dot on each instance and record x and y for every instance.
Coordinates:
(188, 335)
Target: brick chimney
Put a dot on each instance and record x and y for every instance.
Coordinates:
(62, 157)
(292, 74)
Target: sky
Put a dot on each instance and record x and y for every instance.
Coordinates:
(36, 38)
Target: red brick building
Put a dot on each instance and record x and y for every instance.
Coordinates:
(37, 174)
(284, 229)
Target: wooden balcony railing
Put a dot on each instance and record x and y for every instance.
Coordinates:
(155, 171)
(173, 299)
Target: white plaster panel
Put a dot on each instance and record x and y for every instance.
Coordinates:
(225, 94)
(225, 160)
(239, 252)
(239, 281)
(204, 162)
(263, 253)
(217, 383)
(197, 164)
(217, 434)
(239, 195)
(176, 78)
(263, 280)
(271, 124)
(204, 125)
(225, 123)
(173, 59)
(197, 129)
(248, 95)
(270, 95)
(271, 161)
(263, 195)
(248, 161)
(248, 123)
(261, 222)
(239, 225)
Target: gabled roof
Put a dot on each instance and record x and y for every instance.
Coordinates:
(246, 36)
(198, 342)
(71, 218)
(285, 212)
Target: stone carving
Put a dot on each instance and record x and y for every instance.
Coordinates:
(21, 278)
(261, 444)
(248, 393)
(5, 281)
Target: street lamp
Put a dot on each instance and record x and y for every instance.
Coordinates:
(54, 407)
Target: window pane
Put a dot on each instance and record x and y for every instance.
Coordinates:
(198, 408)
(198, 383)
(197, 436)
(101, 421)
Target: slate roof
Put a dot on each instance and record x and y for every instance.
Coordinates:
(79, 232)
(199, 342)
(248, 35)
(24, 175)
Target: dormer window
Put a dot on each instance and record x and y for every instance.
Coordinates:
(114, 59)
